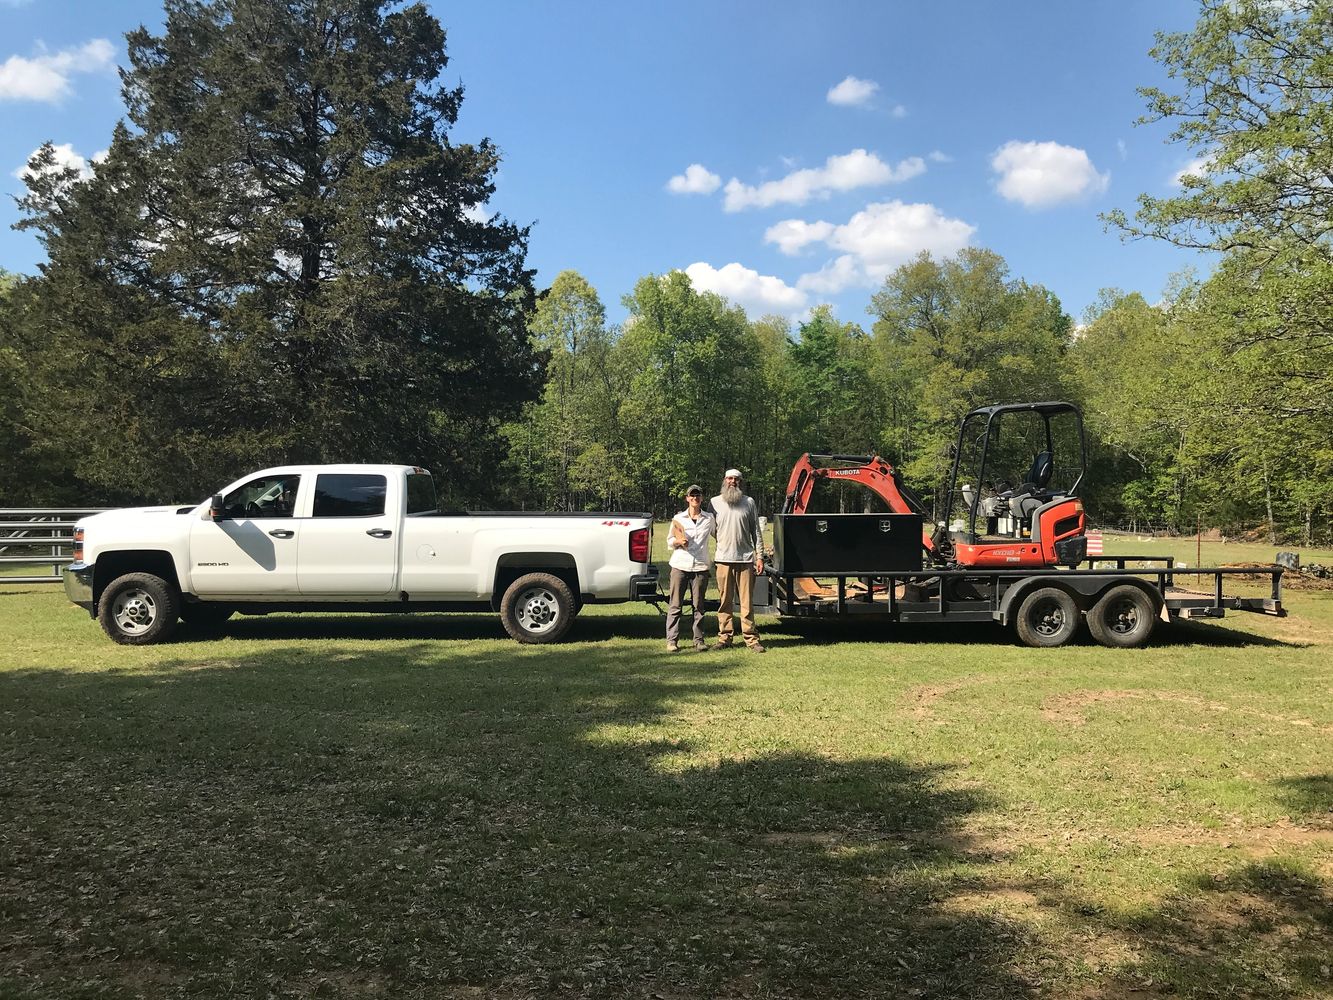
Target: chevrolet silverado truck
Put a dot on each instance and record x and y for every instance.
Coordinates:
(350, 538)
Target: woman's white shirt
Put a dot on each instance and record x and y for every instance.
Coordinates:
(693, 555)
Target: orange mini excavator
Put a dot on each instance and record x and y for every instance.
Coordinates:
(1012, 500)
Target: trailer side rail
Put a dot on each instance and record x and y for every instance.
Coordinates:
(954, 595)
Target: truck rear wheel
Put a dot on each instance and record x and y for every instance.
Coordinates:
(139, 609)
(537, 607)
(1047, 617)
(1123, 618)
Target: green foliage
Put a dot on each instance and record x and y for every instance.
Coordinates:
(692, 375)
(1255, 413)
(566, 452)
(955, 334)
(279, 259)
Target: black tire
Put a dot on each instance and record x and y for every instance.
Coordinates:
(1047, 617)
(1123, 618)
(204, 616)
(537, 608)
(139, 609)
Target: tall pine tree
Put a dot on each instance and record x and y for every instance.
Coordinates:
(281, 258)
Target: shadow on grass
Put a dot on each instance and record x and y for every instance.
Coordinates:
(1309, 796)
(423, 819)
(1261, 930)
(1197, 633)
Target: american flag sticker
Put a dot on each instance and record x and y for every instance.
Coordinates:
(1094, 543)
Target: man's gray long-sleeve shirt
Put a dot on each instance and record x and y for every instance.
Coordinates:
(737, 530)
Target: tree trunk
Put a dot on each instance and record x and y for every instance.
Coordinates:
(1268, 502)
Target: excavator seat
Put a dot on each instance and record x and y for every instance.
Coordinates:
(1025, 499)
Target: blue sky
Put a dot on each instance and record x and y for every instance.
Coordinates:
(813, 147)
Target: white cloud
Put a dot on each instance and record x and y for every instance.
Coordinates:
(898, 111)
(478, 213)
(65, 157)
(1195, 168)
(1122, 149)
(874, 241)
(837, 275)
(45, 77)
(792, 234)
(1039, 174)
(839, 173)
(853, 92)
(755, 292)
(935, 156)
(697, 179)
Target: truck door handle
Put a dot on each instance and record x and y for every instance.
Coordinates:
(379, 532)
(282, 533)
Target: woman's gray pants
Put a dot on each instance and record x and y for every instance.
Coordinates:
(697, 582)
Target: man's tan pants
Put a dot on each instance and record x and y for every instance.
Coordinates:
(735, 580)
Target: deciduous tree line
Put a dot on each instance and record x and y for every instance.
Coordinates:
(289, 264)
(687, 386)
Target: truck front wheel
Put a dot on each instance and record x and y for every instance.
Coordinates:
(139, 609)
(1047, 617)
(537, 607)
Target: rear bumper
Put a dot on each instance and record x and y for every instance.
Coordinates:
(78, 578)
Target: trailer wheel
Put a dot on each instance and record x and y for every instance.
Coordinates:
(139, 609)
(1047, 617)
(1123, 618)
(537, 607)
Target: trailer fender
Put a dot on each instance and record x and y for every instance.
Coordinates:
(1084, 589)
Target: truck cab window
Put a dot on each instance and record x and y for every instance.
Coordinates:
(349, 494)
(272, 496)
(421, 493)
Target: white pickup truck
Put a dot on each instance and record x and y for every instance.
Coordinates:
(350, 538)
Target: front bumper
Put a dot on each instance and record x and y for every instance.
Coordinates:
(78, 579)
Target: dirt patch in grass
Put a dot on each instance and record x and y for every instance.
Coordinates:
(922, 698)
(999, 899)
(1067, 708)
(1250, 841)
(1255, 841)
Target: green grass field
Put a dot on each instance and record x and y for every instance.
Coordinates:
(417, 806)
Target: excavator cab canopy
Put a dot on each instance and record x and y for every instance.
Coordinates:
(1010, 460)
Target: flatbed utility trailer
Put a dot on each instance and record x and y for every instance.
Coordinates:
(830, 566)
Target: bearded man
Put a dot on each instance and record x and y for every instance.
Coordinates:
(739, 556)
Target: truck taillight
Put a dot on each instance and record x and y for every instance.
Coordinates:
(78, 545)
(639, 545)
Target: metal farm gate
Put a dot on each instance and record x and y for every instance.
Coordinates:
(37, 538)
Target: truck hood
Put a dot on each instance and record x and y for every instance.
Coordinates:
(111, 517)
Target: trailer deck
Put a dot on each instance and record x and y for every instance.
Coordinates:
(957, 595)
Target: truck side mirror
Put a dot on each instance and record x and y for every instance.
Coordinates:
(215, 506)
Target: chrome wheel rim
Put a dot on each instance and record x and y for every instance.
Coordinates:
(538, 610)
(134, 611)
